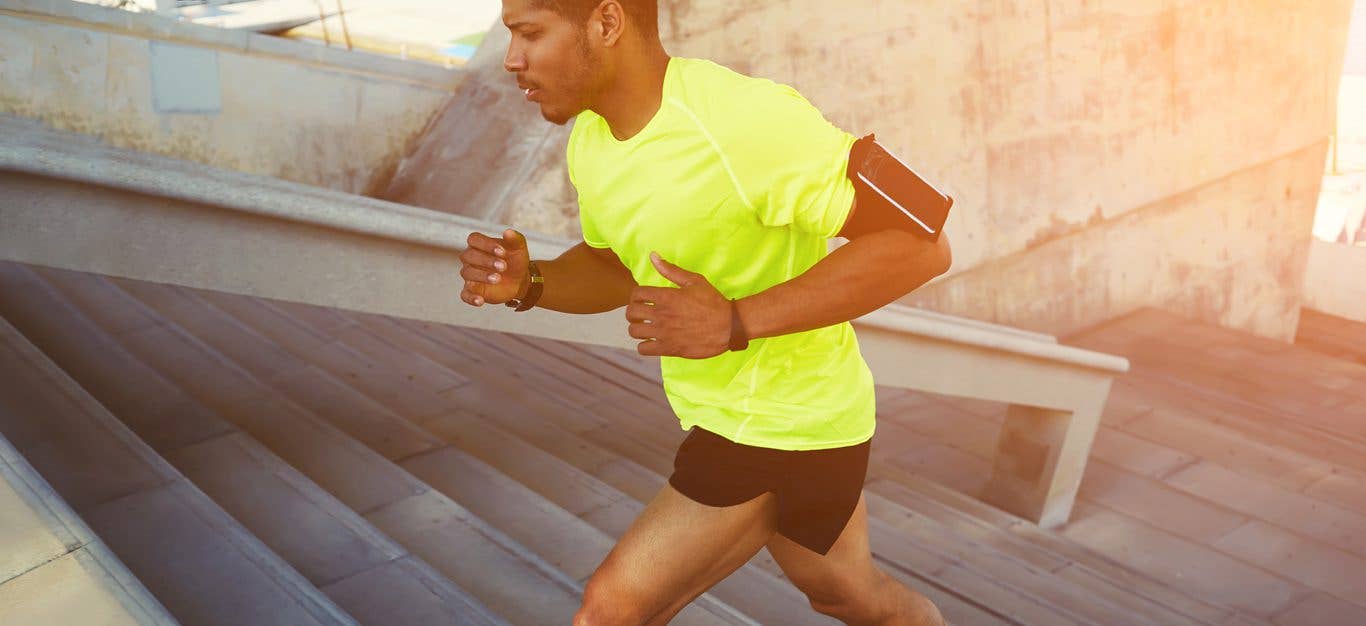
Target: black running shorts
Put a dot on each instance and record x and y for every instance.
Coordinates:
(817, 489)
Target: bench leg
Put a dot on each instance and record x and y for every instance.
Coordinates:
(1040, 458)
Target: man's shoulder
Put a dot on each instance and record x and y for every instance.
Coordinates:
(733, 105)
(718, 75)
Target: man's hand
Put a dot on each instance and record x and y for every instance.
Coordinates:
(692, 321)
(495, 270)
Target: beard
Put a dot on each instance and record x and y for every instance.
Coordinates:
(580, 76)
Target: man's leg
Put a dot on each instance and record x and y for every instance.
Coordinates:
(673, 552)
(845, 584)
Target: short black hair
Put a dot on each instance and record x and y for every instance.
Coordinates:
(644, 13)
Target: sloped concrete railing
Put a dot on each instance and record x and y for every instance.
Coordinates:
(72, 203)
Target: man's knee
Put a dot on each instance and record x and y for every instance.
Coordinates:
(854, 610)
(842, 597)
(607, 604)
(882, 602)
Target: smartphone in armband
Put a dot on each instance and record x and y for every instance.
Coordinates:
(886, 184)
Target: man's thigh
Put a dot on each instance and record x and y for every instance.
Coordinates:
(843, 575)
(674, 551)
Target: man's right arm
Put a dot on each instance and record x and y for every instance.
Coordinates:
(583, 279)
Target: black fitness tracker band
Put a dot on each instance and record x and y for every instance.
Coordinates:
(738, 338)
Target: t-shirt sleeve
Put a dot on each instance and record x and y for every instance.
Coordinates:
(788, 161)
(586, 225)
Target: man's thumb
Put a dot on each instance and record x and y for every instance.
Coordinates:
(513, 240)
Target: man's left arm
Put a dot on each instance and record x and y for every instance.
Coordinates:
(875, 268)
(782, 151)
(871, 271)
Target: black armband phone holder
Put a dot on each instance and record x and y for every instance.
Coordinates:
(889, 194)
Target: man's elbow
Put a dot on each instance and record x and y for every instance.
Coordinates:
(943, 255)
(934, 256)
(922, 256)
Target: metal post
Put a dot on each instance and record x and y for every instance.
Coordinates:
(342, 14)
(322, 23)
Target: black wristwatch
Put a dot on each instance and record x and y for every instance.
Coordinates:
(533, 292)
(739, 340)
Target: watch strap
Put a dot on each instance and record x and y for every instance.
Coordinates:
(533, 292)
(739, 339)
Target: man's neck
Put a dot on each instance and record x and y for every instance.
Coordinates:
(636, 96)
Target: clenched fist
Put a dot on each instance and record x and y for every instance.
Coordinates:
(495, 269)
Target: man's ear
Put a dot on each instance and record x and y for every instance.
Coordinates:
(608, 21)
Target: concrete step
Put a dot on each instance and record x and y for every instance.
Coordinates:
(1084, 567)
(1040, 548)
(610, 513)
(1130, 511)
(202, 565)
(1115, 577)
(487, 565)
(751, 590)
(1337, 337)
(552, 432)
(1276, 428)
(387, 366)
(565, 540)
(970, 590)
(1014, 562)
(1045, 585)
(378, 339)
(326, 541)
(1282, 370)
(53, 568)
(1323, 393)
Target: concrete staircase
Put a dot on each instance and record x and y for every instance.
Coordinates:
(195, 558)
(342, 467)
(53, 568)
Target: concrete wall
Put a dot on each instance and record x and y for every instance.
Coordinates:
(231, 99)
(488, 154)
(1335, 280)
(1103, 155)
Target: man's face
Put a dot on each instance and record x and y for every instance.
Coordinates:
(552, 56)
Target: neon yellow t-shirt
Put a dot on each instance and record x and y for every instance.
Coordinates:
(742, 180)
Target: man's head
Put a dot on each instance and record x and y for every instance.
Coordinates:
(642, 14)
(569, 50)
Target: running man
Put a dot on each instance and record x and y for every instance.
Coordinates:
(706, 201)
